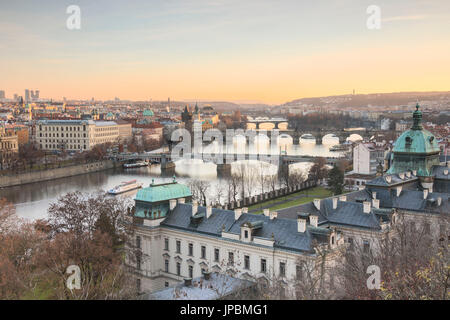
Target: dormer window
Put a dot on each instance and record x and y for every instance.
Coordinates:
(408, 141)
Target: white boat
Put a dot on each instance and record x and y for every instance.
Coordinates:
(340, 147)
(135, 164)
(125, 186)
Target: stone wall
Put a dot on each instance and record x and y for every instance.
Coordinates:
(44, 175)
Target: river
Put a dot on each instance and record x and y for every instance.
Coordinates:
(32, 200)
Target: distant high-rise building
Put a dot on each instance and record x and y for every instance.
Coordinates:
(2, 94)
(27, 95)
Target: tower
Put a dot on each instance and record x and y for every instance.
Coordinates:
(416, 149)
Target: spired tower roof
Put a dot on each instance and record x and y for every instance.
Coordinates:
(415, 149)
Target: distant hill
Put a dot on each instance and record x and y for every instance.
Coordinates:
(374, 99)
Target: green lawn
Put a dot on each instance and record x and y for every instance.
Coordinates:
(308, 196)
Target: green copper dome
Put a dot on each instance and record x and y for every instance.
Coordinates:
(417, 139)
(415, 149)
(148, 113)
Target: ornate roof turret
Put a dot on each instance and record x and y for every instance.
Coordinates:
(415, 149)
(417, 119)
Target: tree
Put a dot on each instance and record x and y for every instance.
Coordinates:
(318, 170)
(336, 180)
(413, 264)
(92, 232)
(199, 190)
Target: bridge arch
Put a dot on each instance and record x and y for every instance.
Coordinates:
(354, 137)
(330, 138)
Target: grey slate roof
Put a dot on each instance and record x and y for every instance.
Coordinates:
(413, 201)
(285, 232)
(348, 213)
(395, 179)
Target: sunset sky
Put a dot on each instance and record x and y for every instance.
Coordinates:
(235, 50)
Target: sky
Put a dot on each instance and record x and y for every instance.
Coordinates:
(234, 50)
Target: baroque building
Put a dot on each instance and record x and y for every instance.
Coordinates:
(178, 240)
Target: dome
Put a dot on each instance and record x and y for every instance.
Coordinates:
(417, 139)
(415, 149)
(148, 113)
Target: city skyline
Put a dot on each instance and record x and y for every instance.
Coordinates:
(224, 50)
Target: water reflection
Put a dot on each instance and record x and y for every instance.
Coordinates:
(32, 200)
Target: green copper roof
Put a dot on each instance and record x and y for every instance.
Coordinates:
(416, 141)
(415, 149)
(148, 113)
(163, 192)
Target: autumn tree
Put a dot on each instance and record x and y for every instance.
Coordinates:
(319, 170)
(336, 180)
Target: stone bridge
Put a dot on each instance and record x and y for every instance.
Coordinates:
(222, 160)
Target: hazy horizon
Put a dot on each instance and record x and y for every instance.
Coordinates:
(259, 51)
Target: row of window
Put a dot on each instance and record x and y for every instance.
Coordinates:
(55, 128)
(62, 135)
(263, 262)
(61, 146)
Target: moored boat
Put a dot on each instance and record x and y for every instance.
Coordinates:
(135, 164)
(125, 186)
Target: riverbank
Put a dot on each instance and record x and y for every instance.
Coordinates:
(56, 173)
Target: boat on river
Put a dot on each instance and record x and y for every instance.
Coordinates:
(125, 186)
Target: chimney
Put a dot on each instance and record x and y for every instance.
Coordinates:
(366, 206)
(181, 200)
(245, 210)
(399, 191)
(208, 211)
(439, 201)
(425, 193)
(388, 179)
(401, 175)
(446, 172)
(237, 213)
(301, 224)
(317, 204)
(343, 198)
(313, 220)
(408, 174)
(266, 212)
(374, 195)
(335, 200)
(194, 208)
(376, 203)
(172, 204)
(273, 215)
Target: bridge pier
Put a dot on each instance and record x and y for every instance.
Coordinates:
(167, 167)
(223, 170)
